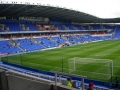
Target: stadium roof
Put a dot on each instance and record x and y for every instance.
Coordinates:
(37, 10)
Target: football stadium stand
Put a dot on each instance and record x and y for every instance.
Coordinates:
(18, 45)
(27, 42)
(12, 26)
(53, 28)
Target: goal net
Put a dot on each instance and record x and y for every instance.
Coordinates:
(101, 69)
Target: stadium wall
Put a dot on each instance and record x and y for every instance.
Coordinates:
(20, 83)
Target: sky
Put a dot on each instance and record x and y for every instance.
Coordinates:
(99, 8)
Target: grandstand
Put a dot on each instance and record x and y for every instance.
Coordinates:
(39, 46)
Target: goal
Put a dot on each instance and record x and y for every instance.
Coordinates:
(101, 69)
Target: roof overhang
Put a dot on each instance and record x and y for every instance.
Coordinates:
(14, 9)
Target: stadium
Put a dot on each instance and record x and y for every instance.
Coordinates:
(41, 45)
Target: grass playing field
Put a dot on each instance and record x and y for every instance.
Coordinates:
(52, 59)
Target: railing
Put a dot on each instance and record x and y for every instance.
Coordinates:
(59, 78)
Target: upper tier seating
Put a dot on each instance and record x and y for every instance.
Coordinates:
(78, 27)
(30, 26)
(69, 26)
(85, 27)
(13, 26)
(96, 27)
(109, 27)
(60, 27)
(16, 26)
(43, 27)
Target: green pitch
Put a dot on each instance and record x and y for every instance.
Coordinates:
(52, 59)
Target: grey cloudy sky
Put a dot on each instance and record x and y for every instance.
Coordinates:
(99, 8)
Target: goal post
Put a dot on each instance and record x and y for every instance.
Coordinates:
(91, 67)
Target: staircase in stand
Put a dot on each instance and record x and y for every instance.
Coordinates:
(14, 43)
(37, 42)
